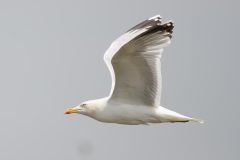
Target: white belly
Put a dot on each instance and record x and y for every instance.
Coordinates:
(128, 114)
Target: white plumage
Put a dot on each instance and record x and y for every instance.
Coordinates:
(134, 63)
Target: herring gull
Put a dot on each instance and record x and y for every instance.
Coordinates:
(134, 63)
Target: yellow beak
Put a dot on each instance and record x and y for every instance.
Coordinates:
(70, 110)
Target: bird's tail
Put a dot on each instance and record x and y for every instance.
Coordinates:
(197, 120)
(172, 116)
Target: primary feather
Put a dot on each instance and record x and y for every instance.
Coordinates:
(134, 62)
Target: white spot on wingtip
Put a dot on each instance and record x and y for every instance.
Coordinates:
(201, 121)
(157, 17)
(148, 27)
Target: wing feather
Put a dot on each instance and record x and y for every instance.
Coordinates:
(134, 62)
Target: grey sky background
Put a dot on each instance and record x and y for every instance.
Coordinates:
(51, 58)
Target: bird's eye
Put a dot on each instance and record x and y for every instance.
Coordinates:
(83, 105)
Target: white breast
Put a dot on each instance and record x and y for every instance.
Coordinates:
(126, 114)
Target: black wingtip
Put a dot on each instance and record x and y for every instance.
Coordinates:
(165, 28)
(168, 26)
(154, 24)
(149, 23)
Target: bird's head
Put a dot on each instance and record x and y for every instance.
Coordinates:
(86, 108)
(81, 109)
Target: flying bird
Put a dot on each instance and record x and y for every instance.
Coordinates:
(134, 63)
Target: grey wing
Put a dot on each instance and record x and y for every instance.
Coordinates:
(134, 62)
